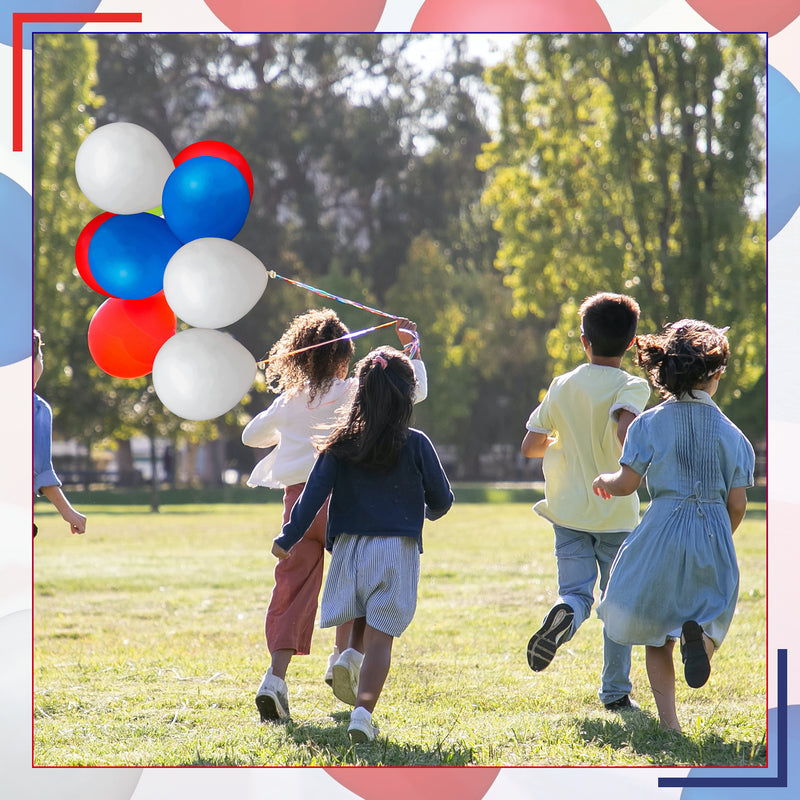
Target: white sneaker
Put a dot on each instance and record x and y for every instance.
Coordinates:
(361, 728)
(346, 671)
(272, 698)
(332, 659)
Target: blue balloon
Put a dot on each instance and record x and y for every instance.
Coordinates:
(128, 254)
(205, 196)
(16, 277)
(783, 145)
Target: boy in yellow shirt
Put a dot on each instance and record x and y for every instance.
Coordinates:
(578, 430)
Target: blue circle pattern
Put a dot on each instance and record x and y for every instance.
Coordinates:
(42, 7)
(783, 165)
(16, 281)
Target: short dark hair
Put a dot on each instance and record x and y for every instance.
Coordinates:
(609, 322)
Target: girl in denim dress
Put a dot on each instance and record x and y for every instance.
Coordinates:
(676, 575)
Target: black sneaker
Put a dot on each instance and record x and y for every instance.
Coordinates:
(624, 703)
(544, 643)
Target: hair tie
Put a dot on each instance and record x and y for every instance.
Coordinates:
(378, 359)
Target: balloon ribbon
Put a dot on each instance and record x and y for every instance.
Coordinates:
(412, 347)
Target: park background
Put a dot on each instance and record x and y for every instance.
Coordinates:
(781, 420)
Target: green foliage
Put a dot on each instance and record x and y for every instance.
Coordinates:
(619, 163)
(148, 650)
(628, 164)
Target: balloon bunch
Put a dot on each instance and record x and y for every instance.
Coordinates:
(162, 251)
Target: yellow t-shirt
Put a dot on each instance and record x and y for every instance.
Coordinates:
(580, 410)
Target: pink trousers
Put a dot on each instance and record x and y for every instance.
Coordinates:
(293, 606)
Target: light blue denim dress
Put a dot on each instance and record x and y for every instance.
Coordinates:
(679, 563)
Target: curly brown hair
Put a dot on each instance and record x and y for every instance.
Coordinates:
(316, 368)
(683, 356)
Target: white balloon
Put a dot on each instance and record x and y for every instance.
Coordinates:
(201, 374)
(122, 168)
(211, 282)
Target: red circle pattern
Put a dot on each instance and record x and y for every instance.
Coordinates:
(298, 15)
(402, 783)
(745, 15)
(478, 16)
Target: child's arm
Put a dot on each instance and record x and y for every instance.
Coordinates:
(535, 443)
(623, 482)
(262, 430)
(75, 520)
(316, 491)
(737, 504)
(623, 423)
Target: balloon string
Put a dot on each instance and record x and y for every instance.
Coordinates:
(352, 335)
(412, 348)
(323, 293)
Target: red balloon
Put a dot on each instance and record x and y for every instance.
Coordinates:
(400, 783)
(293, 16)
(745, 15)
(126, 335)
(479, 16)
(210, 147)
(82, 252)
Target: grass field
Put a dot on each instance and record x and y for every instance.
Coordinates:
(148, 650)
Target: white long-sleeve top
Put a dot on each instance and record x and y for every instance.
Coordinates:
(292, 425)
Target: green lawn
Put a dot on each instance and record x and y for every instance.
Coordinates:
(149, 648)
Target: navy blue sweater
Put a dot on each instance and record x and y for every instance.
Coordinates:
(370, 503)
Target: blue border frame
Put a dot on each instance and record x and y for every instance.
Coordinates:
(779, 781)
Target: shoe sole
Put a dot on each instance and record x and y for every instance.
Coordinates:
(358, 736)
(544, 643)
(696, 666)
(342, 685)
(269, 710)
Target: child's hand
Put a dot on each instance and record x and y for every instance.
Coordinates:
(279, 552)
(76, 520)
(405, 329)
(598, 487)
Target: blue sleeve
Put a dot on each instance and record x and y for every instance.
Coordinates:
(43, 472)
(317, 490)
(745, 464)
(438, 494)
(637, 452)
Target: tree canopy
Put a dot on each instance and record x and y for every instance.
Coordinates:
(630, 164)
(619, 163)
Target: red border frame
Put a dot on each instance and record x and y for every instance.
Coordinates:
(18, 20)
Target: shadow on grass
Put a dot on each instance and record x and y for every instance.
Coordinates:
(639, 732)
(331, 745)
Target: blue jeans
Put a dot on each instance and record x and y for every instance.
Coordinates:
(579, 557)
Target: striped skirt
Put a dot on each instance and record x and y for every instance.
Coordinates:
(374, 577)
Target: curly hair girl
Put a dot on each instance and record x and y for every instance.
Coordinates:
(683, 356)
(314, 367)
